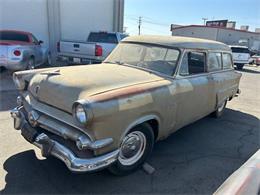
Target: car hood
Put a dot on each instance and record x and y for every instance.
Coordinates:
(61, 87)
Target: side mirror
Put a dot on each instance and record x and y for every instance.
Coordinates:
(40, 42)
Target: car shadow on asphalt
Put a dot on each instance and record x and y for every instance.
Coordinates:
(194, 160)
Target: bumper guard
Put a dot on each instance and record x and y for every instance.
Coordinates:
(49, 146)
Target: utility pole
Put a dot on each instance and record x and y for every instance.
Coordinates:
(139, 25)
(204, 19)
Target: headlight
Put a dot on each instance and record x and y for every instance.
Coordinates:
(19, 83)
(80, 114)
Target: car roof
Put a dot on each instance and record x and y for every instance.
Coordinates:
(178, 42)
(17, 31)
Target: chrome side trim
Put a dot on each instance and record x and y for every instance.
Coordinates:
(75, 164)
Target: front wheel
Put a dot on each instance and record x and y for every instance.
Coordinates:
(135, 148)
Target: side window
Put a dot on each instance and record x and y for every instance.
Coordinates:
(193, 63)
(227, 61)
(214, 61)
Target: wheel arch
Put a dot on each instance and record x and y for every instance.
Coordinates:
(152, 120)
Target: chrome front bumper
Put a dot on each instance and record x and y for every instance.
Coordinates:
(49, 146)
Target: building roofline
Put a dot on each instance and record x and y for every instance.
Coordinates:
(224, 28)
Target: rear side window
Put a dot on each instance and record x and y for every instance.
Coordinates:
(214, 61)
(14, 36)
(227, 61)
(193, 63)
(102, 38)
(239, 50)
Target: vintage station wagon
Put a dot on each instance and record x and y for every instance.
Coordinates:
(110, 115)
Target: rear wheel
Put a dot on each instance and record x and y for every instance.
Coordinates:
(240, 66)
(31, 63)
(218, 113)
(135, 148)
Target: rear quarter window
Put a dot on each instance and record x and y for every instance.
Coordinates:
(14, 36)
(102, 38)
(227, 61)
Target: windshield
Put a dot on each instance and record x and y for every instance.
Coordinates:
(154, 58)
(13, 36)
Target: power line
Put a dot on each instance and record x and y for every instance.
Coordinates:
(139, 25)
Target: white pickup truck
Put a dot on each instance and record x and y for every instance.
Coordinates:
(97, 47)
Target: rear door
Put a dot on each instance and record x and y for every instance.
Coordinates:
(193, 88)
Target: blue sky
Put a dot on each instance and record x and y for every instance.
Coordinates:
(157, 15)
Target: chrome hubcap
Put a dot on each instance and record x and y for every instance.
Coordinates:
(132, 148)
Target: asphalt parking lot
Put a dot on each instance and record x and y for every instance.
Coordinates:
(195, 160)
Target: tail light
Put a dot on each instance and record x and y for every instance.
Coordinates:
(17, 52)
(58, 46)
(98, 50)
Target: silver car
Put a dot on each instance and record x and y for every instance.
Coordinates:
(21, 50)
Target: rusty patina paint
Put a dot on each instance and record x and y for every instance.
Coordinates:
(119, 97)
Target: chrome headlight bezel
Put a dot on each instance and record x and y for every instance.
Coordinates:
(81, 112)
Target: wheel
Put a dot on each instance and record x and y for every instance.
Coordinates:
(135, 148)
(240, 66)
(31, 63)
(218, 113)
(49, 59)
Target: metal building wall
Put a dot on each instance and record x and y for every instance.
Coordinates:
(52, 20)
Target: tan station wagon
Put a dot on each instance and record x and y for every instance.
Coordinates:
(110, 115)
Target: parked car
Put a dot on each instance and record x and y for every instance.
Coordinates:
(255, 59)
(241, 56)
(98, 46)
(110, 115)
(21, 50)
(245, 180)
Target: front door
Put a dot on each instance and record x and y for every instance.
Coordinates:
(193, 89)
